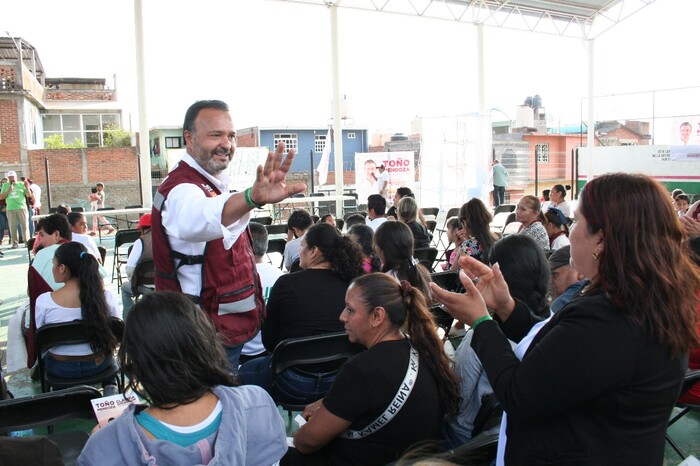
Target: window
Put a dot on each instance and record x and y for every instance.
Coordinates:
(351, 135)
(319, 143)
(89, 129)
(542, 152)
(290, 141)
(173, 142)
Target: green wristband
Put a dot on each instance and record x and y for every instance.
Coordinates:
(480, 320)
(249, 200)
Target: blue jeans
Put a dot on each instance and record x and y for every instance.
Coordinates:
(290, 387)
(499, 195)
(234, 355)
(75, 369)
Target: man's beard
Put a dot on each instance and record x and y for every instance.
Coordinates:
(207, 162)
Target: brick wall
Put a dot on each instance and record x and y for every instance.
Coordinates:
(9, 133)
(73, 172)
(80, 94)
(8, 78)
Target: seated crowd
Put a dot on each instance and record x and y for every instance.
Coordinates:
(562, 322)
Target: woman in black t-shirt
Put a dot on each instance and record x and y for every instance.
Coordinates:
(370, 416)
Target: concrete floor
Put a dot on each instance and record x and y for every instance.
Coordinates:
(13, 285)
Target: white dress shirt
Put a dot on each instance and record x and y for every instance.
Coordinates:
(190, 219)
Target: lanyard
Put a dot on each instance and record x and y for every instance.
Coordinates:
(396, 404)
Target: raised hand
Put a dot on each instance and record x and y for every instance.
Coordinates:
(270, 182)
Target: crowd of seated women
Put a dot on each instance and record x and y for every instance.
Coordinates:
(573, 384)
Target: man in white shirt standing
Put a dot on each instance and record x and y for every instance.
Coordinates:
(201, 243)
(376, 208)
(381, 186)
(36, 191)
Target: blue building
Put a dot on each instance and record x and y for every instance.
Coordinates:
(308, 143)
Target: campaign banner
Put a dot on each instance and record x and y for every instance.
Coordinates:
(244, 165)
(685, 145)
(399, 170)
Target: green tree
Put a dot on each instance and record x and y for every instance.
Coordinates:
(55, 141)
(116, 137)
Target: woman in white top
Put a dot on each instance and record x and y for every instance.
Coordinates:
(557, 227)
(82, 297)
(79, 227)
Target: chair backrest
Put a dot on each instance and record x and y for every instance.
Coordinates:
(317, 195)
(430, 211)
(262, 220)
(69, 333)
(279, 229)
(135, 206)
(448, 281)
(348, 214)
(78, 208)
(426, 256)
(144, 275)
(66, 333)
(47, 408)
(299, 195)
(499, 221)
(276, 245)
(504, 208)
(126, 237)
(104, 208)
(103, 253)
(312, 350)
(453, 212)
(430, 225)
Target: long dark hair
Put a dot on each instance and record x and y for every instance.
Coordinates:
(93, 304)
(362, 235)
(396, 242)
(343, 253)
(477, 219)
(171, 352)
(645, 264)
(405, 304)
(525, 270)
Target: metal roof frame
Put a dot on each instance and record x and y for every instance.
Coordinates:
(585, 19)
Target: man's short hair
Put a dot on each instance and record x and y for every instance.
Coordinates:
(197, 107)
(376, 202)
(56, 222)
(683, 197)
(355, 219)
(676, 192)
(300, 219)
(259, 234)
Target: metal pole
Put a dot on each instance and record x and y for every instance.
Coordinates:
(337, 123)
(144, 162)
(591, 110)
(311, 164)
(48, 183)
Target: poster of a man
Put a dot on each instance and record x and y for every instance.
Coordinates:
(686, 130)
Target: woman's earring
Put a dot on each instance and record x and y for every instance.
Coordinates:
(595, 255)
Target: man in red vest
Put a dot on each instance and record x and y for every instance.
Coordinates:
(201, 241)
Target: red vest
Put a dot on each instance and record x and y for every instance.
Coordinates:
(231, 293)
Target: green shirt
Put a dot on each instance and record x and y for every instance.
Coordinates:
(16, 200)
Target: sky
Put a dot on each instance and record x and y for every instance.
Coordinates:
(271, 61)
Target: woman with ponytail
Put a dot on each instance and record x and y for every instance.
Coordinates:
(307, 303)
(370, 416)
(82, 297)
(393, 243)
